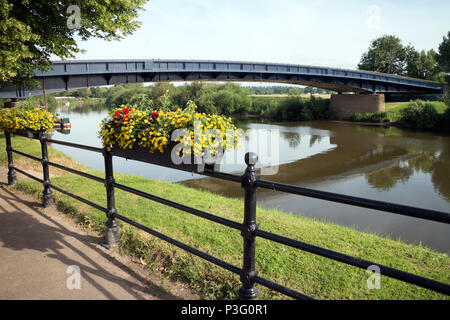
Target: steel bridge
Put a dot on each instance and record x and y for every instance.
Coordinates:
(76, 74)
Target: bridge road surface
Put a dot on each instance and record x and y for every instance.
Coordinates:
(37, 246)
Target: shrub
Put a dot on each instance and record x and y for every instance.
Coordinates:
(419, 114)
(296, 108)
(370, 117)
(444, 121)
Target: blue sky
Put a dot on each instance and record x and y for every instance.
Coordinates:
(318, 32)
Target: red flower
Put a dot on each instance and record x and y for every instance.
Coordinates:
(155, 114)
(126, 111)
(117, 115)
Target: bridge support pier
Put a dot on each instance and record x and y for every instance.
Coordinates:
(345, 105)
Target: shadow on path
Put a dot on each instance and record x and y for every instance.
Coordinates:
(33, 242)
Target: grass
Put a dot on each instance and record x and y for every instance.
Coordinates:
(393, 109)
(313, 275)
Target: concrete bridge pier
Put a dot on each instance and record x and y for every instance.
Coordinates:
(345, 105)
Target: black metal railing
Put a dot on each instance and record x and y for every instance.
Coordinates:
(249, 227)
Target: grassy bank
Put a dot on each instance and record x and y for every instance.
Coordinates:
(393, 109)
(310, 274)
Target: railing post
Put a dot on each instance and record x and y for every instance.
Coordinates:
(248, 290)
(12, 178)
(47, 195)
(112, 226)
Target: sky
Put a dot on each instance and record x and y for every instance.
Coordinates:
(316, 32)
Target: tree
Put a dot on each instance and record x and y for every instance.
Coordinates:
(388, 55)
(443, 56)
(33, 30)
(424, 66)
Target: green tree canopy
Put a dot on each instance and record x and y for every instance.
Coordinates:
(424, 66)
(33, 30)
(386, 54)
(443, 57)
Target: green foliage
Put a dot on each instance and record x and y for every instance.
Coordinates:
(377, 117)
(443, 57)
(386, 54)
(291, 90)
(124, 94)
(447, 99)
(33, 31)
(297, 108)
(420, 115)
(444, 122)
(424, 66)
(143, 103)
(82, 93)
(38, 101)
(226, 99)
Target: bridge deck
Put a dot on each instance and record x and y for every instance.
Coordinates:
(67, 75)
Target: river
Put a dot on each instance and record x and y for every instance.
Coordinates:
(386, 164)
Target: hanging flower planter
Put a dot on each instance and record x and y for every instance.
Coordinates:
(26, 122)
(169, 158)
(181, 139)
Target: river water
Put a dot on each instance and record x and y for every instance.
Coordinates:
(386, 164)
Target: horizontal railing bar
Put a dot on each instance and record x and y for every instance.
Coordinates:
(221, 175)
(70, 194)
(181, 245)
(196, 212)
(359, 202)
(282, 289)
(357, 262)
(75, 145)
(28, 175)
(80, 173)
(27, 155)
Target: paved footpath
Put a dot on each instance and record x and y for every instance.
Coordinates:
(41, 252)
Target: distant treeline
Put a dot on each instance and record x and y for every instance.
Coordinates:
(228, 99)
(287, 90)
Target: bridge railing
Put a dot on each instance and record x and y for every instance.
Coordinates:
(250, 182)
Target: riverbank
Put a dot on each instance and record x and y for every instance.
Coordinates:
(312, 275)
(393, 109)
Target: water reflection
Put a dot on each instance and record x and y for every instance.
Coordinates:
(386, 179)
(293, 139)
(441, 173)
(401, 172)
